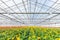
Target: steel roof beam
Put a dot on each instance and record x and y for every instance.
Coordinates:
(48, 18)
(9, 17)
(30, 13)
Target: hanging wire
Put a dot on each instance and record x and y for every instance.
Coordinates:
(24, 6)
(18, 9)
(35, 5)
(8, 7)
(48, 18)
(47, 6)
(52, 5)
(30, 5)
(8, 16)
(16, 6)
(34, 10)
(53, 16)
(42, 5)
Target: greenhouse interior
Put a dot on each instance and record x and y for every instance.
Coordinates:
(29, 19)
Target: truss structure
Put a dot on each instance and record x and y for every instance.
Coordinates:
(30, 12)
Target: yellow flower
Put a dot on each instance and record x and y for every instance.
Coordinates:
(13, 38)
(18, 38)
(29, 38)
(33, 36)
(38, 38)
(57, 38)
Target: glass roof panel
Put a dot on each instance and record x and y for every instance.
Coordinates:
(37, 12)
